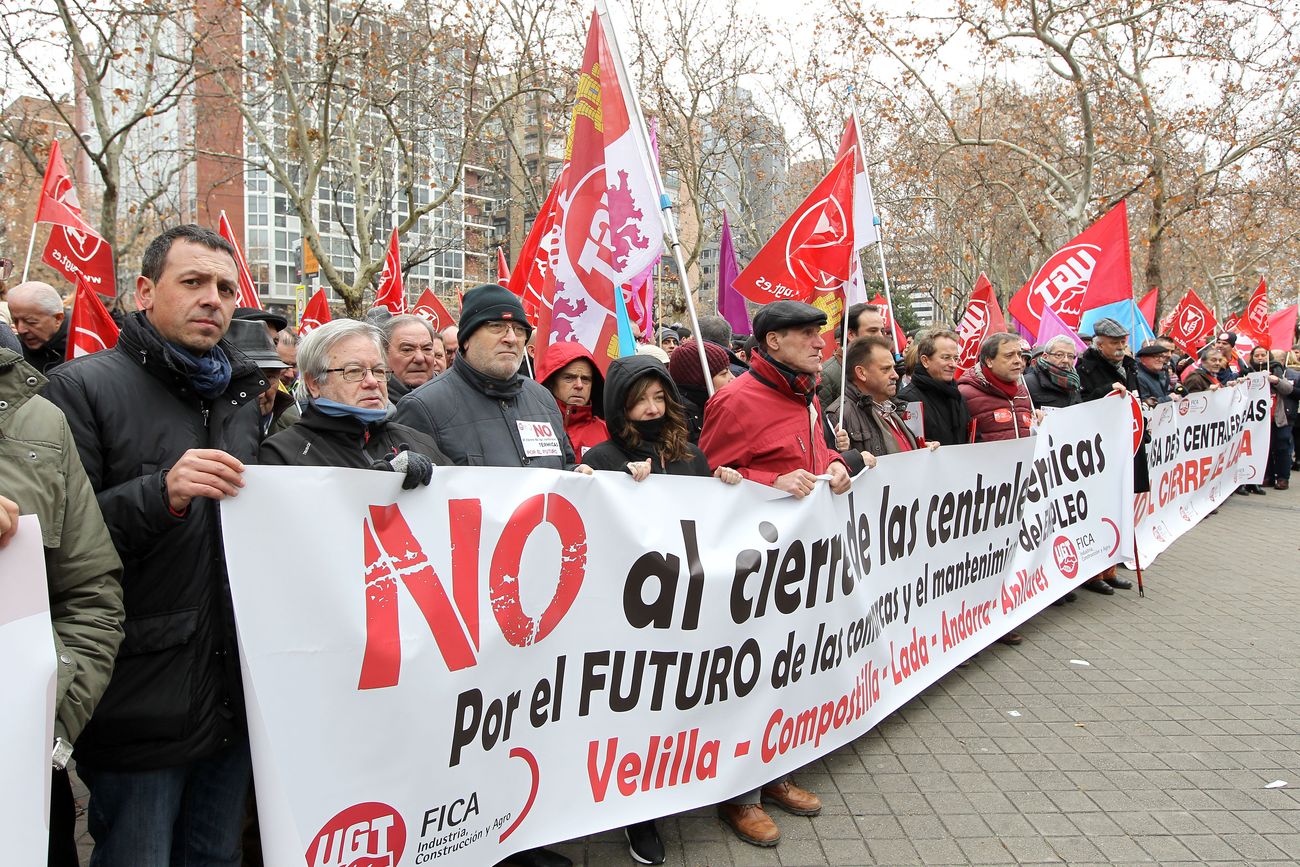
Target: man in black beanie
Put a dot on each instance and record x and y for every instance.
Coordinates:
(483, 413)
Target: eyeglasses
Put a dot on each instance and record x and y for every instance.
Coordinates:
(498, 328)
(357, 372)
(1064, 356)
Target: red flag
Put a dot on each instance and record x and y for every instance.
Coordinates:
(315, 314)
(74, 248)
(247, 290)
(432, 309)
(1189, 322)
(91, 328)
(1254, 322)
(813, 249)
(536, 256)
(58, 203)
(1281, 328)
(610, 226)
(392, 294)
(503, 270)
(900, 339)
(1148, 306)
(1092, 270)
(982, 318)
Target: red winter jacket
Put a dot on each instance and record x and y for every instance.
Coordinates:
(760, 427)
(996, 416)
(583, 424)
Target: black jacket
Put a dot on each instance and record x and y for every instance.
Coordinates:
(320, 440)
(1154, 386)
(53, 353)
(694, 398)
(476, 429)
(1044, 392)
(1096, 376)
(946, 419)
(615, 453)
(176, 693)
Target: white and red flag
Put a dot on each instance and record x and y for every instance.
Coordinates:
(430, 308)
(1189, 322)
(606, 208)
(90, 328)
(1091, 270)
(1254, 322)
(392, 293)
(813, 250)
(982, 318)
(247, 289)
(74, 248)
(315, 314)
(503, 270)
(865, 233)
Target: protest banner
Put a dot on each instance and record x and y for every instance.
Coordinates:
(27, 682)
(508, 658)
(1202, 447)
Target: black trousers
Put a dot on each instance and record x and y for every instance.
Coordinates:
(63, 823)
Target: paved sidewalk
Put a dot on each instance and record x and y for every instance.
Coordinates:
(1158, 752)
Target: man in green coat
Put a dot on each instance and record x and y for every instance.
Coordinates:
(41, 474)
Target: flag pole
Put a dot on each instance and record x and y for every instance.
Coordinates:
(642, 132)
(31, 242)
(875, 217)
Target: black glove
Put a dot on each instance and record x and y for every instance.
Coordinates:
(417, 468)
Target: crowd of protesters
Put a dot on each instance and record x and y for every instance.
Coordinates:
(125, 454)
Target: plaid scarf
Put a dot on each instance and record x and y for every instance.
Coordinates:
(1064, 378)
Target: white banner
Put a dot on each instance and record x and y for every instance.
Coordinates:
(508, 658)
(27, 681)
(1202, 447)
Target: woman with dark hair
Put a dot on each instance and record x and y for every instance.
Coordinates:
(647, 435)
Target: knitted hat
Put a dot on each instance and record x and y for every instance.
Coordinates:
(490, 302)
(684, 365)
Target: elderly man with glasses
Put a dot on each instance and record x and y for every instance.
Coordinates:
(1052, 380)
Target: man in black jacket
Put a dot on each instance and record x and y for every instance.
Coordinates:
(483, 413)
(40, 323)
(164, 423)
(944, 414)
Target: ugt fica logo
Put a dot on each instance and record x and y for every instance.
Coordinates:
(364, 835)
(1067, 557)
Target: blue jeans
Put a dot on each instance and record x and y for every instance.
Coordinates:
(187, 816)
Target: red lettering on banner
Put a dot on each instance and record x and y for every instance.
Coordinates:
(392, 553)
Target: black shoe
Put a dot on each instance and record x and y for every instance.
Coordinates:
(538, 858)
(1068, 597)
(1119, 583)
(1097, 585)
(1243, 490)
(1256, 489)
(643, 843)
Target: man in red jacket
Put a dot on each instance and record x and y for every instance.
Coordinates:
(768, 424)
(995, 394)
(570, 373)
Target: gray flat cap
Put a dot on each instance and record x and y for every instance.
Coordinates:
(1108, 328)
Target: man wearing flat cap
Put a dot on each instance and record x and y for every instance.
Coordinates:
(768, 424)
(1154, 383)
(1105, 369)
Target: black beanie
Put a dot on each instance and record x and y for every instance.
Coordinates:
(489, 302)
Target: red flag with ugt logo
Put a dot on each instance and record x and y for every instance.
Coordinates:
(1190, 322)
(813, 249)
(315, 314)
(1092, 270)
(983, 317)
(1254, 322)
(74, 249)
(247, 289)
(431, 309)
(537, 256)
(90, 328)
(392, 294)
(609, 227)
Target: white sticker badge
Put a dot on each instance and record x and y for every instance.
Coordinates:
(539, 440)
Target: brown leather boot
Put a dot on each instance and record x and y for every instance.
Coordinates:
(792, 799)
(751, 823)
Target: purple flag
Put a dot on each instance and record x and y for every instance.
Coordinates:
(731, 305)
(1053, 325)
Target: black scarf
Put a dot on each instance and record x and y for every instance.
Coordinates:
(497, 389)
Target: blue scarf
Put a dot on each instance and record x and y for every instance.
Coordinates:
(209, 374)
(341, 410)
